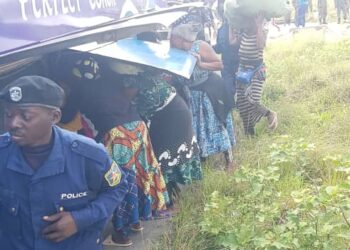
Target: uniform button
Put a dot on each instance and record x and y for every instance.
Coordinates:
(98, 241)
(74, 144)
(13, 210)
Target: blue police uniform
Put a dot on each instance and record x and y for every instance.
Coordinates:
(78, 177)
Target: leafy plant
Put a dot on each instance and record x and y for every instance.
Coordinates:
(315, 217)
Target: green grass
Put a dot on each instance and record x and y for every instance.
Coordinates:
(309, 87)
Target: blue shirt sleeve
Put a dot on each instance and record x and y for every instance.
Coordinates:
(220, 40)
(109, 182)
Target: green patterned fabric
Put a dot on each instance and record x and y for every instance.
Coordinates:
(185, 173)
(154, 93)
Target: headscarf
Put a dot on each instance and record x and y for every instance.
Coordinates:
(187, 31)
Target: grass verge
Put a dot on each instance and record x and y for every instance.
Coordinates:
(293, 188)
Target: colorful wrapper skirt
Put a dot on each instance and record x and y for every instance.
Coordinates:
(130, 147)
(213, 136)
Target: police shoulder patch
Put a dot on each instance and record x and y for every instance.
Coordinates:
(113, 175)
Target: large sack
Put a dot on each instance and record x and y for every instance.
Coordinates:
(237, 11)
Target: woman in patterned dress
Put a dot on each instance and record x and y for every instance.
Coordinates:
(169, 121)
(211, 100)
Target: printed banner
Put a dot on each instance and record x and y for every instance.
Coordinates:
(27, 22)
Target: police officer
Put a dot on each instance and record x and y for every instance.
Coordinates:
(322, 11)
(342, 7)
(57, 189)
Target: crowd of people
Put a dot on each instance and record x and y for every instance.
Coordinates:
(157, 129)
(302, 7)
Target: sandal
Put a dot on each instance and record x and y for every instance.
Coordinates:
(160, 215)
(136, 227)
(120, 239)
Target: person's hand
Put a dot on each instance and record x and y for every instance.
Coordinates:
(261, 33)
(260, 20)
(198, 57)
(62, 227)
(233, 37)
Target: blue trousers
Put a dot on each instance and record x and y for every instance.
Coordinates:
(300, 18)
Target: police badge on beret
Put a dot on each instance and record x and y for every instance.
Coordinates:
(15, 94)
(33, 90)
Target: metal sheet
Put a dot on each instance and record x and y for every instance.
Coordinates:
(159, 56)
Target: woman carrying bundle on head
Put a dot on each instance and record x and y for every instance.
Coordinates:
(251, 74)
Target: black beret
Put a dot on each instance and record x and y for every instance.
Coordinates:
(33, 91)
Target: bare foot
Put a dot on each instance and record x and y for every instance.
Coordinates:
(233, 166)
(273, 120)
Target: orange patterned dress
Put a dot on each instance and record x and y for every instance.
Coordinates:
(130, 146)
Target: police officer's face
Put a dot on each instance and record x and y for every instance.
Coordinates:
(30, 126)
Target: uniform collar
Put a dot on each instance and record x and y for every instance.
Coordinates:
(54, 165)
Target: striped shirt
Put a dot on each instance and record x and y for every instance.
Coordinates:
(250, 54)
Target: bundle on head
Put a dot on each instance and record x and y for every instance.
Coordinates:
(239, 11)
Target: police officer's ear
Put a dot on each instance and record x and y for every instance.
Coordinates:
(56, 116)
